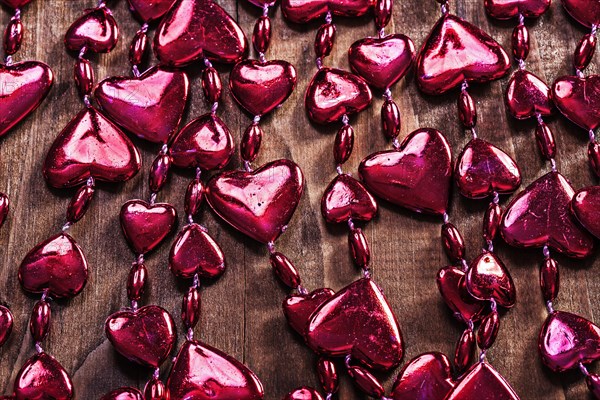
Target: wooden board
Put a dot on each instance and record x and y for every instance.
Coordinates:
(242, 311)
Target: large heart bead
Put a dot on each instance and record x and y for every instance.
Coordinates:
(150, 10)
(489, 279)
(145, 336)
(90, 146)
(578, 99)
(149, 106)
(193, 29)
(416, 176)
(42, 377)
(259, 86)
(427, 376)
(302, 11)
(482, 381)
(527, 95)
(23, 87)
(202, 372)
(586, 12)
(259, 203)
(346, 198)
(482, 169)
(146, 225)
(506, 9)
(96, 31)
(382, 61)
(566, 340)
(456, 51)
(298, 308)
(452, 285)
(586, 208)
(333, 93)
(357, 321)
(196, 252)
(124, 393)
(540, 215)
(6, 324)
(56, 265)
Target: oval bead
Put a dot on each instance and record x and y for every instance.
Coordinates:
(194, 195)
(594, 157)
(593, 383)
(159, 172)
(491, 221)
(39, 323)
(211, 85)
(136, 282)
(366, 382)
(467, 111)
(156, 390)
(584, 52)
(13, 37)
(324, 40)
(465, 349)
(4, 208)
(80, 203)
(285, 270)
(84, 76)
(328, 376)
(488, 330)
(549, 279)
(138, 47)
(359, 248)
(190, 308)
(453, 243)
(250, 145)
(545, 141)
(261, 37)
(520, 42)
(390, 119)
(343, 144)
(383, 13)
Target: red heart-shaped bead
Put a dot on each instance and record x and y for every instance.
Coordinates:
(145, 336)
(42, 377)
(416, 176)
(96, 30)
(333, 93)
(202, 372)
(357, 321)
(303, 393)
(579, 99)
(146, 225)
(506, 9)
(456, 51)
(196, 252)
(24, 86)
(540, 215)
(527, 95)
(259, 203)
(483, 382)
(56, 265)
(204, 142)
(586, 207)
(90, 146)
(382, 61)
(489, 279)
(346, 198)
(149, 106)
(15, 3)
(298, 308)
(586, 12)
(124, 393)
(150, 10)
(452, 285)
(427, 376)
(193, 29)
(301, 11)
(259, 86)
(6, 324)
(482, 169)
(566, 340)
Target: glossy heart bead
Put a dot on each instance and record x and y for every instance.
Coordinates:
(202, 372)
(15, 3)
(23, 86)
(586, 12)
(150, 10)
(416, 176)
(193, 29)
(579, 99)
(303, 393)
(124, 393)
(452, 285)
(333, 93)
(482, 169)
(382, 61)
(6, 324)
(145, 336)
(566, 340)
(301, 11)
(149, 106)
(259, 86)
(483, 382)
(489, 279)
(204, 142)
(298, 308)
(259, 203)
(196, 252)
(345, 324)
(4, 208)
(346, 198)
(456, 51)
(90, 146)
(145, 225)
(527, 95)
(586, 207)
(540, 215)
(506, 9)
(57, 265)
(427, 376)
(42, 377)
(96, 30)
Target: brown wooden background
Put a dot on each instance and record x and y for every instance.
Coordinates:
(242, 311)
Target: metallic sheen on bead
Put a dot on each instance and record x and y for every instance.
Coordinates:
(584, 11)
(190, 307)
(579, 99)
(549, 279)
(328, 375)
(390, 119)
(383, 13)
(4, 208)
(346, 198)
(453, 242)
(194, 197)
(146, 225)
(488, 279)
(453, 289)
(261, 36)
(302, 11)
(138, 47)
(297, 308)
(491, 221)
(427, 376)
(159, 172)
(482, 381)
(545, 141)
(39, 323)
(285, 270)
(488, 330)
(43, 377)
(96, 31)
(211, 85)
(467, 110)
(527, 95)
(6, 324)
(594, 157)
(366, 381)
(155, 390)
(520, 42)
(584, 52)
(193, 252)
(465, 350)
(586, 207)
(359, 248)
(150, 10)
(324, 40)
(13, 36)
(343, 145)
(136, 282)
(506, 9)
(80, 203)
(84, 76)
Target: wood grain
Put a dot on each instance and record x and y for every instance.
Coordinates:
(242, 311)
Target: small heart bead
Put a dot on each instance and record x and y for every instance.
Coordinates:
(196, 252)
(453, 289)
(489, 279)
(527, 95)
(427, 376)
(346, 198)
(297, 308)
(146, 225)
(42, 377)
(96, 31)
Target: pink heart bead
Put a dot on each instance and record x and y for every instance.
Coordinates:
(586, 208)
(527, 95)
(488, 278)
(196, 252)
(427, 376)
(15, 3)
(482, 381)
(96, 31)
(346, 198)
(150, 10)
(506, 9)
(144, 225)
(302, 11)
(579, 99)
(453, 289)
(42, 377)
(586, 12)
(298, 308)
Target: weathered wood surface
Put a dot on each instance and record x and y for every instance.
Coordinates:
(242, 311)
